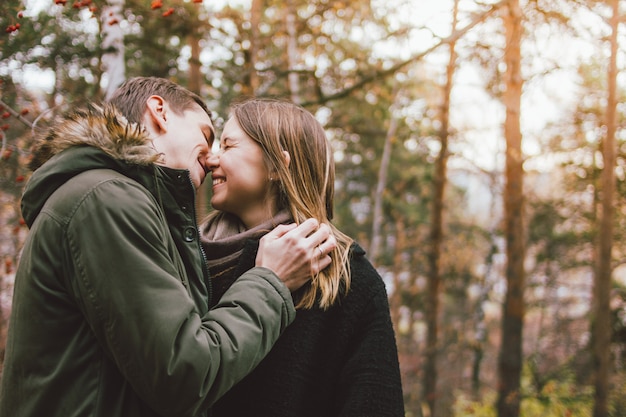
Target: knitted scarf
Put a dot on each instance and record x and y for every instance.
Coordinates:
(224, 239)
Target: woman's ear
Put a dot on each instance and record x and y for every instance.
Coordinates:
(273, 173)
(287, 158)
(155, 116)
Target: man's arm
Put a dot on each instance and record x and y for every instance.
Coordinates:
(132, 295)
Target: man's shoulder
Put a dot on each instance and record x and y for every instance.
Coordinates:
(96, 189)
(89, 180)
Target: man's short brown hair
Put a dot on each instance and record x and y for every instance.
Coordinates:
(131, 97)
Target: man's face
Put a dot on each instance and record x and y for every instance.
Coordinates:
(185, 142)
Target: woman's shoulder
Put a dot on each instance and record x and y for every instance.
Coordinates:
(360, 264)
(364, 277)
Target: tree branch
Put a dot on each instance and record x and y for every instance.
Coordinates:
(16, 114)
(392, 70)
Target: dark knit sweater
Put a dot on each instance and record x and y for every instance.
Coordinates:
(339, 362)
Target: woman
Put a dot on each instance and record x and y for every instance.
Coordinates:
(339, 357)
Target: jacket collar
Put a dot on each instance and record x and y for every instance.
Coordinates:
(91, 138)
(102, 127)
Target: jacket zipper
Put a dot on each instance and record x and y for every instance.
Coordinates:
(205, 267)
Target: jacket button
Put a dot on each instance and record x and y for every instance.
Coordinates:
(189, 234)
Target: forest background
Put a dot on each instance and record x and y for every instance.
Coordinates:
(481, 161)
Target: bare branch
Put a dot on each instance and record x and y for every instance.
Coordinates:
(15, 114)
(394, 69)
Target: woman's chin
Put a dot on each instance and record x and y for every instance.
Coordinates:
(217, 205)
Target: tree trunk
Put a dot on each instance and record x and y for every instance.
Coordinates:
(113, 60)
(195, 76)
(256, 10)
(194, 85)
(436, 235)
(395, 299)
(377, 220)
(292, 53)
(510, 358)
(601, 325)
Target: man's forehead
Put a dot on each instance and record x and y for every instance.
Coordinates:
(207, 124)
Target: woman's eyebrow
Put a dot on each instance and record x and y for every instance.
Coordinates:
(226, 140)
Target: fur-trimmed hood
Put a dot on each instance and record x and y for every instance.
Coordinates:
(90, 138)
(102, 127)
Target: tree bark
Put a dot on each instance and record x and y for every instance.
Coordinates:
(510, 358)
(601, 325)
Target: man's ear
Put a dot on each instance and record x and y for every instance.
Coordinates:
(155, 116)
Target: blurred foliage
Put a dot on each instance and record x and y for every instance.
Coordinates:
(555, 398)
(335, 42)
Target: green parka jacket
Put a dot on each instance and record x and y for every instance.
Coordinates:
(110, 309)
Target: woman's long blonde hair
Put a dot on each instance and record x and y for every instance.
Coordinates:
(305, 186)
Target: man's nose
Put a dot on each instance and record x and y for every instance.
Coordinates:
(213, 159)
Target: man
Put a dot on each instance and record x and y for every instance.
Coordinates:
(110, 311)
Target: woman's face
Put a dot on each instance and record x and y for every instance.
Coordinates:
(240, 177)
